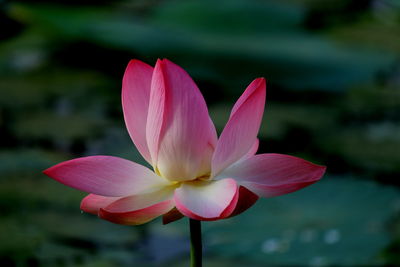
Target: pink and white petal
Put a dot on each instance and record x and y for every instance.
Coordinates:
(135, 103)
(172, 216)
(180, 137)
(246, 200)
(270, 175)
(140, 201)
(240, 133)
(139, 209)
(93, 203)
(207, 200)
(106, 176)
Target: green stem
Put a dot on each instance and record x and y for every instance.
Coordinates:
(196, 248)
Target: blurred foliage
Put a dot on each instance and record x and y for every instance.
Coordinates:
(333, 97)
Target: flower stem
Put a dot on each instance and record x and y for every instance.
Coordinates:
(196, 248)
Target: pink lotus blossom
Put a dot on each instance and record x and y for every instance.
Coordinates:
(195, 173)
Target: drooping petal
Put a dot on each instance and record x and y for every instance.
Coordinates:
(139, 209)
(246, 200)
(172, 216)
(180, 134)
(93, 203)
(270, 175)
(135, 103)
(106, 176)
(240, 133)
(207, 200)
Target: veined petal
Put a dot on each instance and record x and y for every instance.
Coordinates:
(240, 133)
(140, 201)
(180, 135)
(106, 176)
(252, 151)
(270, 175)
(135, 103)
(207, 200)
(93, 203)
(139, 209)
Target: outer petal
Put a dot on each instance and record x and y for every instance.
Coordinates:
(106, 176)
(270, 175)
(93, 203)
(139, 209)
(207, 200)
(180, 134)
(135, 103)
(246, 200)
(172, 216)
(240, 133)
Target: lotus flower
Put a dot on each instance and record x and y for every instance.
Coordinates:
(195, 173)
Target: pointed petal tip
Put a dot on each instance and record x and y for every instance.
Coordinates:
(321, 171)
(166, 60)
(166, 63)
(46, 171)
(262, 83)
(50, 171)
(261, 80)
(135, 61)
(159, 61)
(318, 170)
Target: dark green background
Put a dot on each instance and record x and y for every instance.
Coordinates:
(333, 97)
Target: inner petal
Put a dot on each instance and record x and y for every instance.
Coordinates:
(205, 199)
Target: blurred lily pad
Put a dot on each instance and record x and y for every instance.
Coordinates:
(295, 60)
(336, 222)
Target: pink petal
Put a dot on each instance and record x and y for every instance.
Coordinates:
(207, 200)
(137, 217)
(93, 203)
(180, 134)
(140, 201)
(246, 200)
(106, 176)
(252, 151)
(270, 175)
(135, 103)
(139, 209)
(240, 133)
